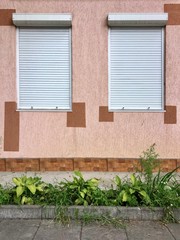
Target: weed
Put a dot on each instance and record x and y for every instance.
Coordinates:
(104, 220)
(62, 216)
(148, 163)
(5, 195)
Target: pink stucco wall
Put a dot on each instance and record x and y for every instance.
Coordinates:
(44, 134)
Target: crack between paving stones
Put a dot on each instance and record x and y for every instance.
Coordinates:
(126, 233)
(170, 231)
(81, 231)
(36, 230)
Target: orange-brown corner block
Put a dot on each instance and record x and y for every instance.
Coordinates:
(6, 17)
(170, 116)
(173, 11)
(77, 118)
(105, 115)
(11, 127)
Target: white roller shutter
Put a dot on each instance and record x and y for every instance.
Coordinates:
(136, 56)
(44, 68)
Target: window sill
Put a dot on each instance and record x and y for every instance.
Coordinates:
(138, 111)
(43, 110)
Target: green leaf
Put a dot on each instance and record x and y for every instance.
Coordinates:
(72, 186)
(133, 179)
(32, 188)
(29, 200)
(19, 191)
(117, 180)
(23, 179)
(85, 203)
(78, 201)
(125, 197)
(40, 188)
(131, 191)
(82, 194)
(167, 187)
(77, 173)
(23, 200)
(94, 180)
(29, 181)
(16, 181)
(84, 190)
(145, 195)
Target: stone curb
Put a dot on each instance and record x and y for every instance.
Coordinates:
(49, 212)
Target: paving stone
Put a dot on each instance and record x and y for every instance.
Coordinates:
(177, 214)
(96, 232)
(18, 229)
(174, 228)
(146, 230)
(49, 230)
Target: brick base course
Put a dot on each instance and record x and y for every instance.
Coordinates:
(81, 164)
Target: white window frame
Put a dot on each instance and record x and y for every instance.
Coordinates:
(137, 20)
(61, 21)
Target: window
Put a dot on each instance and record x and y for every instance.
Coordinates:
(44, 67)
(136, 67)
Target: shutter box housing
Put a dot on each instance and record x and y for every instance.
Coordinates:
(137, 19)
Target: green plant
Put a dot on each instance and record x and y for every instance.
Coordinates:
(104, 220)
(132, 192)
(26, 188)
(148, 163)
(80, 191)
(5, 195)
(163, 189)
(55, 195)
(61, 215)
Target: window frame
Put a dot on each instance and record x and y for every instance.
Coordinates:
(110, 109)
(17, 72)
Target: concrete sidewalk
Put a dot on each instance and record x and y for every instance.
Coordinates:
(49, 230)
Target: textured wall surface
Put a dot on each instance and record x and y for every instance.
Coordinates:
(45, 134)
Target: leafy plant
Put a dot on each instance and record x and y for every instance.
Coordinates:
(55, 195)
(163, 189)
(80, 191)
(132, 192)
(25, 188)
(4, 195)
